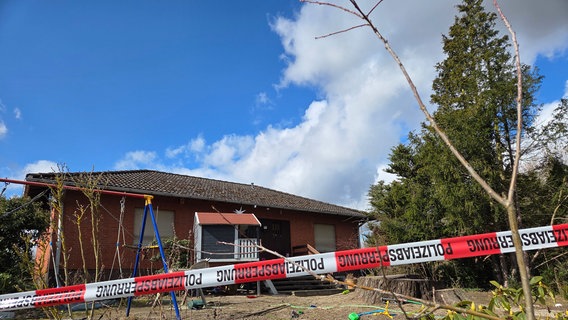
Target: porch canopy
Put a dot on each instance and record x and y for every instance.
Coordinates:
(213, 230)
(216, 218)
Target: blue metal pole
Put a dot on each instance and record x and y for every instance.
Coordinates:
(163, 255)
(139, 248)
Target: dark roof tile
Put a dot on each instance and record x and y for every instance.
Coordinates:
(176, 185)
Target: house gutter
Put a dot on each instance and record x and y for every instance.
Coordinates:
(68, 187)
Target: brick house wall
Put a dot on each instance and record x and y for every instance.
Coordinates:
(301, 227)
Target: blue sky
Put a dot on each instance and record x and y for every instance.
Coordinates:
(232, 90)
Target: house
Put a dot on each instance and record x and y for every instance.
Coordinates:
(203, 211)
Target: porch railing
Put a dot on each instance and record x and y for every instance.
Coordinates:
(247, 249)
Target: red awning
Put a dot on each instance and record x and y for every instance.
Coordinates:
(226, 218)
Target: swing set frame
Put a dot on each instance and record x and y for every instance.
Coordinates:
(148, 210)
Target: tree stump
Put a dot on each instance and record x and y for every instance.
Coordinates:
(402, 284)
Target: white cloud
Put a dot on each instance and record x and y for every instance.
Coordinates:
(136, 159)
(262, 99)
(548, 108)
(39, 166)
(17, 113)
(35, 167)
(3, 129)
(195, 147)
(197, 144)
(15, 189)
(541, 29)
(262, 103)
(383, 175)
(228, 150)
(532, 158)
(174, 152)
(341, 145)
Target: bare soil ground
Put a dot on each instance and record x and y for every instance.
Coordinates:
(337, 306)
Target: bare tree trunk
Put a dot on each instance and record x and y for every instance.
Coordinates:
(521, 262)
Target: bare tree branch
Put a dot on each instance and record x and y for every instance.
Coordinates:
(552, 259)
(511, 205)
(513, 183)
(322, 3)
(374, 7)
(342, 31)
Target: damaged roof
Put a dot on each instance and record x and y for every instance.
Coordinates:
(176, 185)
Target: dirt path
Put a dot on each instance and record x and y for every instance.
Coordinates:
(276, 307)
(337, 306)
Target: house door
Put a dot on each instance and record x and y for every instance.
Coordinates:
(275, 235)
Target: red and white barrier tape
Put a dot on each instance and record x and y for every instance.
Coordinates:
(399, 254)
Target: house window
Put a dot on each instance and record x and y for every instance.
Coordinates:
(164, 220)
(324, 237)
(212, 234)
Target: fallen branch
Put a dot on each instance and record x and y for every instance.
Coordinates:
(265, 311)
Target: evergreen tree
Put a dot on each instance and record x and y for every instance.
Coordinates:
(475, 92)
(21, 222)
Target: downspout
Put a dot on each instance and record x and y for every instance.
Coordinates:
(58, 245)
(237, 249)
(196, 239)
(51, 256)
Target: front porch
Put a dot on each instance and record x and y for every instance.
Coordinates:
(226, 237)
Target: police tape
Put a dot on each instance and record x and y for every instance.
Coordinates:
(347, 260)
